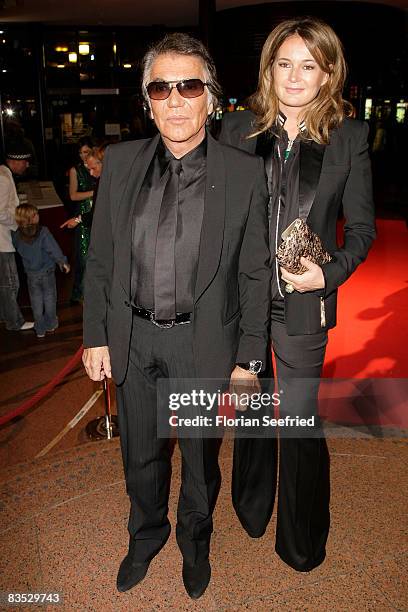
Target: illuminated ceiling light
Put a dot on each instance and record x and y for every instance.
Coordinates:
(83, 48)
(92, 57)
(61, 49)
(60, 65)
(127, 65)
(1, 31)
(9, 112)
(4, 40)
(114, 48)
(4, 70)
(73, 57)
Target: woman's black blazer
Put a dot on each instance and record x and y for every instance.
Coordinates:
(330, 177)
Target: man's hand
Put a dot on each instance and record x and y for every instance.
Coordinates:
(311, 280)
(97, 362)
(242, 382)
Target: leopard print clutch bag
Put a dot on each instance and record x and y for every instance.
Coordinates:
(298, 241)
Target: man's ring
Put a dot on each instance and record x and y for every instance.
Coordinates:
(289, 288)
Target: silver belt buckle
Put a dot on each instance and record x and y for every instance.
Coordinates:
(161, 325)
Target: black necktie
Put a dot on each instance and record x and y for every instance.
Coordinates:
(164, 266)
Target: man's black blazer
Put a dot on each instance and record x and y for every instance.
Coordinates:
(330, 176)
(232, 292)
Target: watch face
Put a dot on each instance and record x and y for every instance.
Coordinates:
(255, 366)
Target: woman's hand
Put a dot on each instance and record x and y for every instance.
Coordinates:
(71, 223)
(311, 280)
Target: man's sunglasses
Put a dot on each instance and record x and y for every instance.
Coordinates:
(189, 88)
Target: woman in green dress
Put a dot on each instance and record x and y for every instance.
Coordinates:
(81, 191)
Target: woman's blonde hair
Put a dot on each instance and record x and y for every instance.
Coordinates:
(328, 109)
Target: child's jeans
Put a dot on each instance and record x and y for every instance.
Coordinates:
(43, 297)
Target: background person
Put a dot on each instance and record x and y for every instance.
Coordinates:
(93, 164)
(81, 190)
(40, 253)
(316, 160)
(17, 161)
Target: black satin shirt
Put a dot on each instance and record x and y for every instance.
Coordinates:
(283, 179)
(189, 221)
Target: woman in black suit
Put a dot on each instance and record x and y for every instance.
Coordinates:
(316, 159)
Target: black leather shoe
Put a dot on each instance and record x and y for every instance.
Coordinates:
(130, 574)
(196, 578)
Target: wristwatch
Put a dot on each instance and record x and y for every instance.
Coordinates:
(253, 367)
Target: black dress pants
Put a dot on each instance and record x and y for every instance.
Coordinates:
(304, 487)
(163, 353)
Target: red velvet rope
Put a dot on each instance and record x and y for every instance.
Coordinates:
(44, 390)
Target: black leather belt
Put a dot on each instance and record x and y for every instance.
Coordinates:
(181, 317)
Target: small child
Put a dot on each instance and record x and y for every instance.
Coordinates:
(39, 252)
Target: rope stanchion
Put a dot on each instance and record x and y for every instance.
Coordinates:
(106, 426)
(41, 393)
(85, 408)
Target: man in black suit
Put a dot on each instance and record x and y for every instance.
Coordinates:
(177, 286)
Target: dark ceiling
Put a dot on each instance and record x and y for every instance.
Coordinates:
(118, 12)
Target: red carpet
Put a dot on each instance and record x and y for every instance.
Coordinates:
(371, 338)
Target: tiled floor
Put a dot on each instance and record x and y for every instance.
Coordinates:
(64, 516)
(64, 529)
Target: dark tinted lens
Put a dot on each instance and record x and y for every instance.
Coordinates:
(192, 88)
(158, 90)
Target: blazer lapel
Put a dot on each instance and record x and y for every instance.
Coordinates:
(311, 159)
(212, 230)
(135, 178)
(265, 147)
